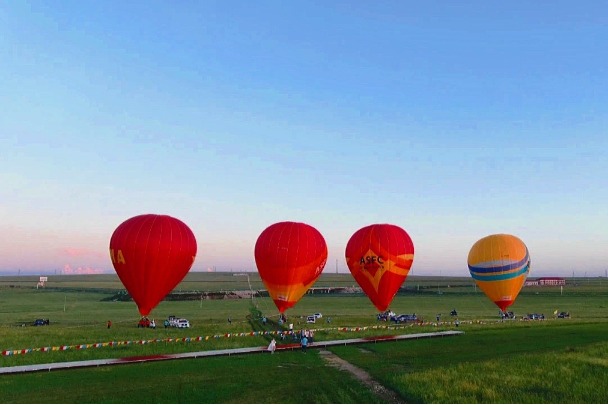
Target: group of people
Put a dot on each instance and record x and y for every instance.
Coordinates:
(305, 336)
(309, 335)
(282, 319)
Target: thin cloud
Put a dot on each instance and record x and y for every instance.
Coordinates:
(67, 269)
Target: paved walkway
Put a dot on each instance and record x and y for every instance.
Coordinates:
(210, 353)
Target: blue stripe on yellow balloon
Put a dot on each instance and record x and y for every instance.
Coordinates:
(497, 277)
(507, 267)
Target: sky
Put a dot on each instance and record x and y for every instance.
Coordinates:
(452, 120)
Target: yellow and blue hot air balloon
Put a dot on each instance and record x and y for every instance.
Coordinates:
(499, 264)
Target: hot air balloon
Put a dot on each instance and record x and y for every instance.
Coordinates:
(499, 264)
(151, 255)
(289, 256)
(379, 257)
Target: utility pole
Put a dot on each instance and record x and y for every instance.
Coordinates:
(573, 279)
(438, 290)
(249, 283)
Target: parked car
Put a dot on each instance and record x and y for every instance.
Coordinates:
(172, 320)
(563, 315)
(318, 315)
(535, 317)
(41, 322)
(507, 315)
(311, 319)
(176, 322)
(404, 318)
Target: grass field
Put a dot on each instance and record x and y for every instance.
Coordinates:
(552, 361)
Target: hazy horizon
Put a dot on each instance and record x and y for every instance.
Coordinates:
(325, 271)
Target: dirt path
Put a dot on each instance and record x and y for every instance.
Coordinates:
(387, 395)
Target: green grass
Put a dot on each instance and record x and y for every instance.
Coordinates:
(571, 375)
(529, 363)
(478, 367)
(79, 317)
(538, 363)
(291, 377)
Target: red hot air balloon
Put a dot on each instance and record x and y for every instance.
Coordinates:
(151, 255)
(289, 256)
(379, 257)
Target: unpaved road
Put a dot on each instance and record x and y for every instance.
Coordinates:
(384, 393)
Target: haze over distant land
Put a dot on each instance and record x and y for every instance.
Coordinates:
(451, 120)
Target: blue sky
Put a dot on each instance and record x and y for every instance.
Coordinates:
(453, 120)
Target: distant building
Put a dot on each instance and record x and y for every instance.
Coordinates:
(542, 281)
(552, 281)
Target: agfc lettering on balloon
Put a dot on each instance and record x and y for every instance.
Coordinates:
(379, 257)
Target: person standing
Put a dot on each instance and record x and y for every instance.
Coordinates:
(304, 343)
(272, 346)
(109, 324)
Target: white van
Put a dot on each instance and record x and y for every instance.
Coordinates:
(182, 323)
(311, 319)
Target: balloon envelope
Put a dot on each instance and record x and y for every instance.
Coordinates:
(499, 264)
(289, 256)
(379, 257)
(151, 255)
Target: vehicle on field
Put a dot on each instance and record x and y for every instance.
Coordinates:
(507, 315)
(144, 322)
(533, 317)
(318, 315)
(40, 322)
(403, 318)
(311, 319)
(563, 315)
(172, 319)
(175, 322)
